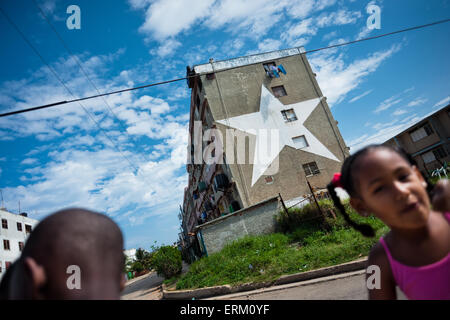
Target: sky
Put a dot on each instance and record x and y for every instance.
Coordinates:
(125, 154)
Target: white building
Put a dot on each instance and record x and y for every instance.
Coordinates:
(131, 254)
(14, 231)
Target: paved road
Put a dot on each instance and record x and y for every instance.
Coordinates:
(146, 288)
(349, 286)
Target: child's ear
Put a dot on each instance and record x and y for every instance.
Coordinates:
(38, 277)
(359, 206)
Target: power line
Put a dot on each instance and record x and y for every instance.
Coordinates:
(217, 71)
(78, 62)
(65, 86)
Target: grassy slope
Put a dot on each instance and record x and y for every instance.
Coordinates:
(266, 257)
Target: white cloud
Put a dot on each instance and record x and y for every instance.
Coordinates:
(442, 102)
(167, 48)
(139, 4)
(167, 18)
(337, 79)
(330, 35)
(384, 132)
(361, 96)
(85, 169)
(386, 104)
(305, 28)
(399, 112)
(269, 45)
(337, 18)
(417, 102)
(29, 161)
(303, 8)
(253, 17)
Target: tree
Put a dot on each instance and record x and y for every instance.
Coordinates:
(167, 261)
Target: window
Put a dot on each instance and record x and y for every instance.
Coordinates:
(300, 142)
(19, 226)
(439, 153)
(289, 115)
(266, 66)
(27, 228)
(311, 168)
(4, 224)
(6, 245)
(0, 267)
(21, 245)
(421, 132)
(7, 265)
(210, 76)
(269, 179)
(432, 155)
(279, 91)
(428, 157)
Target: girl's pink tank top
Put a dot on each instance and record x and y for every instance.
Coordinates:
(429, 282)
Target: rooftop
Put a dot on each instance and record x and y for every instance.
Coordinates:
(409, 125)
(247, 60)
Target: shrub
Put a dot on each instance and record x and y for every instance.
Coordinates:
(137, 266)
(167, 261)
(309, 215)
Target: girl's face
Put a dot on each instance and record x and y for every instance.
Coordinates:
(390, 188)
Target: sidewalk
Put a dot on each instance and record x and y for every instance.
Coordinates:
(139, 278)
(331, 273)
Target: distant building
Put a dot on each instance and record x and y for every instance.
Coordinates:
(243, 97)
(130, 254)
(427, 140)
(14, 232)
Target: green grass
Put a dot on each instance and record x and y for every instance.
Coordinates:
(266, 257)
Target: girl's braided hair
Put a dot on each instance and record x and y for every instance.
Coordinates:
(347, 182)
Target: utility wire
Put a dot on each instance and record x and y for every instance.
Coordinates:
(65, 86)
(78, 62)
(217, 71)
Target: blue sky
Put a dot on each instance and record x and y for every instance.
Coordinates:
(58, 157)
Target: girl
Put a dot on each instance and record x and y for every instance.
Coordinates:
(415, 254)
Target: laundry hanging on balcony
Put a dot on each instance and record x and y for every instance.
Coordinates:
(274, 71)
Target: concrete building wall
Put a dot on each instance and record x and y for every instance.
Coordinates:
(255, 220)
(14, 236)
(238, 91)
(439, 121)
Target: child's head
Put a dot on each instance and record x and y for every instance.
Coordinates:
(384, 181)
(72, 237)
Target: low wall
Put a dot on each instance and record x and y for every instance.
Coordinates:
(255, 220)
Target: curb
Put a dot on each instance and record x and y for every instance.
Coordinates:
(297, 277)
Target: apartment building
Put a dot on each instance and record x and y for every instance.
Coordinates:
(427, 140)
(267, 105)
(13, 235)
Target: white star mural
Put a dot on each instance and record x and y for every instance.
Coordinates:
(270, 117)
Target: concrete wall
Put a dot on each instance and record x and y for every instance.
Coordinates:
(440, 123)
(255, 220)
(241, 92)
